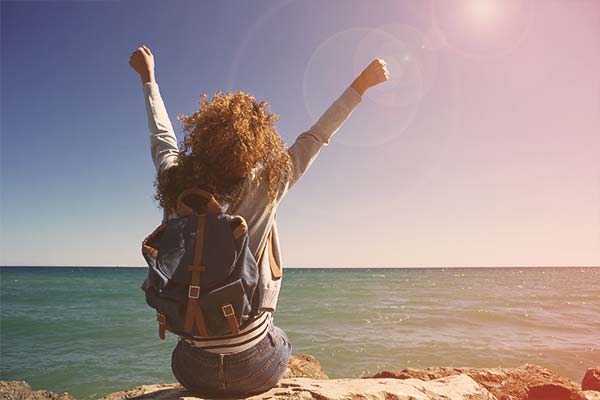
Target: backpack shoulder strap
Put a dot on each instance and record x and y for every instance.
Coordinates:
(194, 314)
(184, 209)
(275, 268)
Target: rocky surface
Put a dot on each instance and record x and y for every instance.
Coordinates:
(156, 392)
(527, 382)
(591, 379)
(304, 366)
(19, 390)
(305, 379)
(459, 387)
(591, 394)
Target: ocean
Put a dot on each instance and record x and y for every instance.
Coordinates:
(88, 331)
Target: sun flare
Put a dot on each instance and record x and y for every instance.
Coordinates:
(483, 13)
(482, 27)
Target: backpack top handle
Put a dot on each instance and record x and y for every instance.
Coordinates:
(212, 205)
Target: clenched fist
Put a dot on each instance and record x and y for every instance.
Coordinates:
(142, 61)
(375, 73)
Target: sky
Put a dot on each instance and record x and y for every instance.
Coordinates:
(481, 150)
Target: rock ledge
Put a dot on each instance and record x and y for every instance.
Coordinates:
(305, 379)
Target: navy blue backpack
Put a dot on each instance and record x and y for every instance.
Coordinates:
(202, 277)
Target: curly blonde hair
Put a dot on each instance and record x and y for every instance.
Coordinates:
(223, 141)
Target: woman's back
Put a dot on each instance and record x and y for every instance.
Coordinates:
(218, 155)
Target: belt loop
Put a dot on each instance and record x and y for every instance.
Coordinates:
(221, 369)
(271, 338)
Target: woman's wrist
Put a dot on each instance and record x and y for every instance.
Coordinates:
(359, 85)
(147, 77)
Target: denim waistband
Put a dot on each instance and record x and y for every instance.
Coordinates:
(200, 353)
(253, 370)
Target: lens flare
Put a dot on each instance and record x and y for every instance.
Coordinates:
(480, 28)
(483, 13)
(411, 60)
(388, 108)
(266, 16)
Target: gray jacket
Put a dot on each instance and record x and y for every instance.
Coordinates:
(253, 202)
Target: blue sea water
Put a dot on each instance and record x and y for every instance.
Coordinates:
(88, 331)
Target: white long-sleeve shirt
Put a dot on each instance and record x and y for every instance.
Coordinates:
(254, 203)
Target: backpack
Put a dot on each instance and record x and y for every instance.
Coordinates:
(202, 277)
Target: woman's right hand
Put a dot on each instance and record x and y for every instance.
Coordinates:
(375, 73)
(142, 61)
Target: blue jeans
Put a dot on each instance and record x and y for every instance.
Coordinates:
(252, 371)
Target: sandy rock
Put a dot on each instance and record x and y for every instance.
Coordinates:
(304, 366)
(19, 390)
(158, 392)
(305, 379)
(504, 383)
(459, 387)
(591, 379)
(591, 394)
(552, 391)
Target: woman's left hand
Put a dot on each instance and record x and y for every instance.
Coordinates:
(375, 73)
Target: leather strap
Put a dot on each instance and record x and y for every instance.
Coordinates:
(229, 313)
(275, 268)
(239, 227)
(162, 325)
(193, 313)
(183, 210)
(263, 249)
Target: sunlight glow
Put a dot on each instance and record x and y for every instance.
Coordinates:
(482, 28)
(483, 13)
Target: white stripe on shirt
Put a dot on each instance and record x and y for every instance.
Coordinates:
(248, 337)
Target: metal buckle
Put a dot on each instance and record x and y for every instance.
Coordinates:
(194, 292)
(161, 318)
(228, 310)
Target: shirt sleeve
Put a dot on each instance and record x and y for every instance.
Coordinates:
(163, 142)
(308, 144)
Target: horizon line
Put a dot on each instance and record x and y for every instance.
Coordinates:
(322, 267)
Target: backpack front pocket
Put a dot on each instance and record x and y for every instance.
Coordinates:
(224, 308)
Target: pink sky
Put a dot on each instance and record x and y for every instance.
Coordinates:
(504, 172)
(481, 150)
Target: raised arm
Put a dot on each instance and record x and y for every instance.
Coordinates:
(163, 142)
(308, 144)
